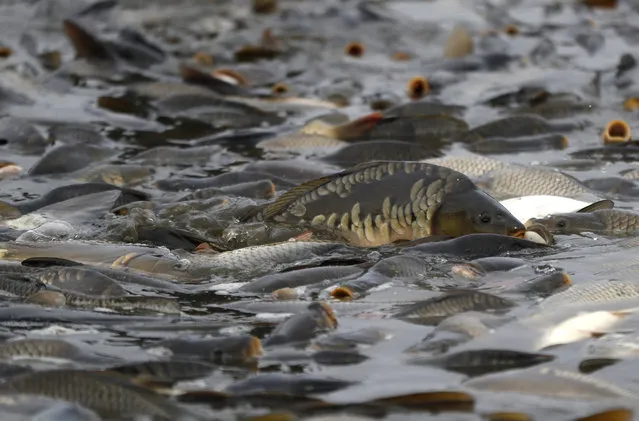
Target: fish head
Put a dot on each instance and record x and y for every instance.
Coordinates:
(474, 211)
(569, 223)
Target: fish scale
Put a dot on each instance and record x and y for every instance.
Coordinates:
(392, 214)
(594, 292)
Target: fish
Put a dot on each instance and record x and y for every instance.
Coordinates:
(223, 180)
(220, 350)
(472, 166)
(509, 127)
(170, 371)
(83, 280)
(522, 180)
(478, 362)
(297, 142)
(594, 292)
(557, 108)
(485, 265)
(373, 150)
(503, 145)
(438, 202)
(262, 189)
(64, 193)
(611, 222)
(301, 277)
(18, 135)
(45, 348)
(552, 383)
(69, 158)
(122, 303)
(302, 327)
(117, 175)
(259, 260)
(296, 385)
(473, 246)
(109, 395)
(423, 108)
(336, 340)
(537, 206)
(434, 310)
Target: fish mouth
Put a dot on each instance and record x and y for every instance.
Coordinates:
(519, 233)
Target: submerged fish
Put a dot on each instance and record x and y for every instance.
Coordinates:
(301, 277)
(368, 205)
(110, 395)
(613, 222)
(302, 327)
(434, 310)
(509, 127)
(483, 361)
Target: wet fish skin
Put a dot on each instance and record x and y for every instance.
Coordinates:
(296, 278)
(38, 348)
(302, 327)
(423, 107)
(81, 279)
(484, 361)
(485, 265)
(521, 180)
(127, 303)
(296, 385)
(69, 158)
(439, 202)
(614, 222)
(20, 136)
(336, 340)
(501, 145)
(64, 193)
(543, 285)
(167, 371)
(261, 189)
(434, 310)
(374, 150)
(472, 166)
(108, 394)
(221, 350)
(222, 180)
(510, 127)
(475, 246)
(593, 292)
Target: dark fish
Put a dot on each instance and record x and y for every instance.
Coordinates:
(423, 108)
(350, 339)
(434, 310)
(171, 155)
(620, 187)
(557, 109)
(221, 350)
(302, 327)
(301, 277)
(135, 49)
(544, 285)
(338, 357)
(75, 134)
(108, 394)
(473, 246)
(125, 303)
(429, 130)
(223, 180)
(61, 194)
(503, 145)
(19, 286)
(508, 127)
(624, 152)
(591, 365)
(196, 77)
(83, 280)
(483, 266)
(485, 361)
(366, 207)
(69, 158)
(172, 238)
(220, 113)
(613, 222)
(86, 45)
(117, 175)
(170, 371)
(20, 136)
(298, 384)
(374, 150)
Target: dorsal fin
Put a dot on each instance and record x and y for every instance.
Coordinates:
(295, 193)
(599, 205)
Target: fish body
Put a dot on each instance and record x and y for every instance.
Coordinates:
(434, 310)
(301, 277)
(472, 166)
(386, 201)
(612, 222)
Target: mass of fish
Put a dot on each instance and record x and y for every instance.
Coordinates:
(277, 210)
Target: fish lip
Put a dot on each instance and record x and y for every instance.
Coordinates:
(518, 232)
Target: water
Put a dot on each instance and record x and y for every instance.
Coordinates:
(306, 43)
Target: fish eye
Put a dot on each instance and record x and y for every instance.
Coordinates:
(561, 223)
(484, 218)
